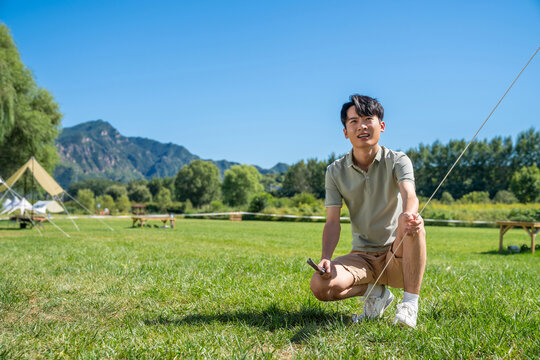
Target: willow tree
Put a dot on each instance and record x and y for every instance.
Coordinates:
(29, 116)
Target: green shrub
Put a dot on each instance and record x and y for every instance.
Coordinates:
(505, 197)
(153, 207)
(475, 197)
(303, 198)
(482, 212)
(116, 191)
(86, 199)
(217, 206)
(163, 197)
(531, 215)
(280, 202)
(123, 205)
(525, 184)
(447, 198)
(74, 208)
(139, 193)
(259, 202)
(176, 207)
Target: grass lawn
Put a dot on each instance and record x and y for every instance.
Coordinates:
(220, 289)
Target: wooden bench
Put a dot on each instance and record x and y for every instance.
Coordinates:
(530, 227)
(145, 218)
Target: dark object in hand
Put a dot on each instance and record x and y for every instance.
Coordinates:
(317, 268)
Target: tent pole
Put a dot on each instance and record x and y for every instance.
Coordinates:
(33, 182)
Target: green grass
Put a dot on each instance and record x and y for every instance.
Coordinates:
(220, 290)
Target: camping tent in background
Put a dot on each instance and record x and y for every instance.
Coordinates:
(48, 184)
(23, 205)
(50, 206)
(20, 204)
(6, 204)
(40, 174)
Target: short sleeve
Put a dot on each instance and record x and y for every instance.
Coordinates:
(403, 169)
(333, 196)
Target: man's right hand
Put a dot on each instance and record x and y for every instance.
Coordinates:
(327, 265)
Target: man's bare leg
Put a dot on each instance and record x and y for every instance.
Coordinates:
(413, 252)
(414, 261)
(338, 287)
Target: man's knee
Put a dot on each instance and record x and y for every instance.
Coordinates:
(327, 290)
(318, 288)
(321, 288)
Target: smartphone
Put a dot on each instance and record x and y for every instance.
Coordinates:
(317, 268)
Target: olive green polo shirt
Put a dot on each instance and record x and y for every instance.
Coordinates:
(372, 197)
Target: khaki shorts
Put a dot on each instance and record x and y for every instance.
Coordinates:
(367, 266)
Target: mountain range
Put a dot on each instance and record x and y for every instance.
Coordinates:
(95, 149)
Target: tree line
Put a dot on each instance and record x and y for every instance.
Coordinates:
(498, 170)
(196, 185)
(487, 166)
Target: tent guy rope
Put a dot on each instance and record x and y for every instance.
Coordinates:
(85, 208)
(69, 215)
(355, 317)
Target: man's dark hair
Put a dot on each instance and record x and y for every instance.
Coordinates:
(365, 106)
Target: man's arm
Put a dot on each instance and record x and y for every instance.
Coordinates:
(409, 220)
(408, 196)
(332, 229)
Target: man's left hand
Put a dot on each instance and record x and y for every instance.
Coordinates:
(410, 223)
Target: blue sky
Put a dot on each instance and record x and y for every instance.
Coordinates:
(261, 82)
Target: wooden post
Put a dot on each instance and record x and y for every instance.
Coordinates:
(503, 231)
(532, 234)
(501, 234)
(507, 225)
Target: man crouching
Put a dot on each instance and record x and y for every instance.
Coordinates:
(377, 185)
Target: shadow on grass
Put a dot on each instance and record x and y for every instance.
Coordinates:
(506, 252)
(272, 318)
(13, 228)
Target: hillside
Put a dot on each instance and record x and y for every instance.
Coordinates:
(95, 149)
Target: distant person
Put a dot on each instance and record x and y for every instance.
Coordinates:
(377, 185)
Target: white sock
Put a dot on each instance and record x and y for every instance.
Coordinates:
(411, 299)
(377, 291)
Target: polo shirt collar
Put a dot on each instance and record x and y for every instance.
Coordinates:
(349, 158)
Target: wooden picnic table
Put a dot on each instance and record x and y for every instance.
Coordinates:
(144, 218)
(530, 227)
(25, 220)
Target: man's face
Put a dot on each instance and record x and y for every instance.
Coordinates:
(362, 131)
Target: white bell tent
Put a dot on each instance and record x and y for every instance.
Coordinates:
(48, 184)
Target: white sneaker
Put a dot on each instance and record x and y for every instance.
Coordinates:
(375, 306)
(406, 315)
